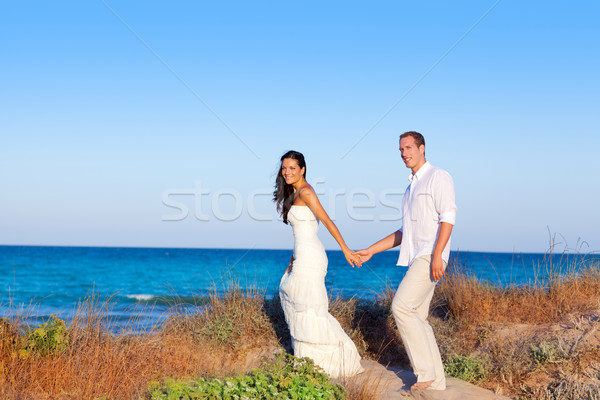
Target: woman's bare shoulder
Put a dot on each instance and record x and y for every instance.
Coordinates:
(304, 195)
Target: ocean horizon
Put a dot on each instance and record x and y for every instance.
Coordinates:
(147, 283)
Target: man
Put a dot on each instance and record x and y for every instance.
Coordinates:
(428, 216)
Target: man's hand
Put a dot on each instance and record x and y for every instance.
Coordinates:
(365, 255)
(437, 268)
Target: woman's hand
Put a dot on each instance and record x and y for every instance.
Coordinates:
(352, 258)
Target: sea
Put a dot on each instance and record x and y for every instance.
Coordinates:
(138, 288)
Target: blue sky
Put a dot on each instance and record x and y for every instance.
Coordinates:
(113, 114)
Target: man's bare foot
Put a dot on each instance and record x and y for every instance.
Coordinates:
(421, 385)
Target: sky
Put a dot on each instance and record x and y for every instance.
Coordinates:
(161, 124)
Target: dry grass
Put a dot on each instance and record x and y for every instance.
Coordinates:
(365, 387)
(473, 302)
(533, 341)
(238, 331)
(97, 364)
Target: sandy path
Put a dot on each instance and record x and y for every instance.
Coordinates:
(393, 383)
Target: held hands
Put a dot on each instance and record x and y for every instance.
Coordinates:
(365, 255)
(352, 258)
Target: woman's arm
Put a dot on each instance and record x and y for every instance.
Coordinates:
(309, 197)
(289, 268)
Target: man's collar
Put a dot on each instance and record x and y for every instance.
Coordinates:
(420, 172)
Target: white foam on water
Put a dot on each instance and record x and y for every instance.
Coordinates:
(140, 297)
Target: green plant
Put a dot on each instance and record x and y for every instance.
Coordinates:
(286, 377)
(221, 329)
(466, 368)
(543, 353)
(48, 338)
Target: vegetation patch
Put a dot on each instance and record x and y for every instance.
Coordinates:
(286, 377)
(48, 338)
(530, 342)
(468, 369)
(543, 353)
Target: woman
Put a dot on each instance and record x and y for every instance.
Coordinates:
(315, 333)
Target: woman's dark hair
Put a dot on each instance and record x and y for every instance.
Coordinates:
(283, 195)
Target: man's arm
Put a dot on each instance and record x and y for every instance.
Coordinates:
(386, 243)
(437, 264)
(445, 205)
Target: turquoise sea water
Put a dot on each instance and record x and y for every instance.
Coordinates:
(37, 281)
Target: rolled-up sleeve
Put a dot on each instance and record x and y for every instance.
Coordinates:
(444, 198)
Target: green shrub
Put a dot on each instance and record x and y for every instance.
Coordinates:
(465, 368)
(286, 377)
(221, 330)
(48, 338)
(543, 353)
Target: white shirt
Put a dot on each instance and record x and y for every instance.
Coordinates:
(428, 201)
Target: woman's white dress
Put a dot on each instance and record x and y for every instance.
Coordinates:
(315, 333)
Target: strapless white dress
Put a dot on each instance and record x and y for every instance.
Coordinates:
(315, 333)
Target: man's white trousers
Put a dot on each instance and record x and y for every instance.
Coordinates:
(410, 308)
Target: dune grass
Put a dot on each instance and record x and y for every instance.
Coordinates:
(537, 341)
(239, 332)
(94, 363)
(531, 341)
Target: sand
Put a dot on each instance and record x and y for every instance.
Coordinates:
(394, 383)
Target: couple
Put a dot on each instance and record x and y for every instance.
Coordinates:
(428, 215)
